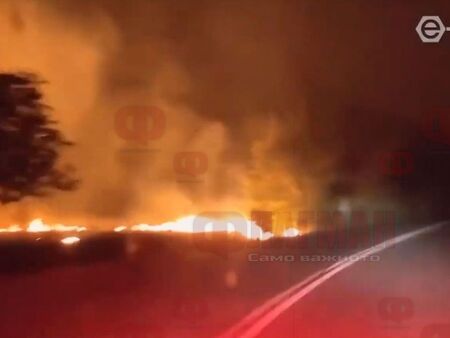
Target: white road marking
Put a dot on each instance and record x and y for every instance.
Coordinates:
(252, 325)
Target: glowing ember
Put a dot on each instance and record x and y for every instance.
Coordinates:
(70, 240)
(120, 228)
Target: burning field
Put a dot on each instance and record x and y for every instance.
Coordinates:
(189, 108)
(202, 165)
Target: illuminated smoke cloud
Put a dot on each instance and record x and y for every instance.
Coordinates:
(284, 107)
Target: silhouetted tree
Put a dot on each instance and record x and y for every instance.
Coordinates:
(29, 144)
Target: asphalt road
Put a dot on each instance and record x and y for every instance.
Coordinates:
(405, 294)
(165, 287)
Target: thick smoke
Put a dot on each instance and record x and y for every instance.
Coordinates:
(291, 102)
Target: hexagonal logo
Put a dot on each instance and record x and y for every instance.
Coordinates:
(430, 29)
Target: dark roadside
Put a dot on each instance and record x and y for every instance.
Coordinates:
(152, 285)
(404, 294)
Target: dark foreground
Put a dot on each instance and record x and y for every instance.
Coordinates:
(154, 285)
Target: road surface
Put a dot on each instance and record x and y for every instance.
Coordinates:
(165, 288)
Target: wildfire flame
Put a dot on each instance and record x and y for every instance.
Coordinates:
(37, 225)
(11, 228)
(247, 229)
(189, 224)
